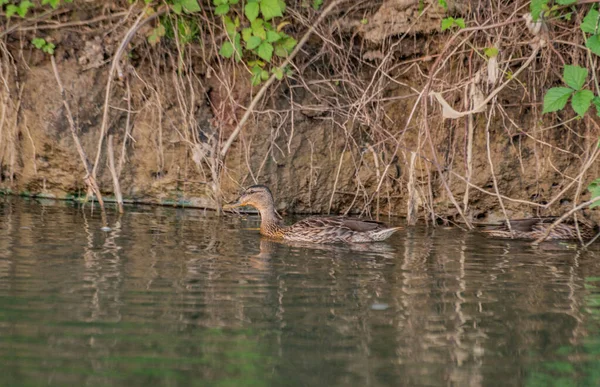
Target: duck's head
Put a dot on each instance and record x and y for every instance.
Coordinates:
(257, 196)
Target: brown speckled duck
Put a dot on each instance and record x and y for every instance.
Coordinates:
(314, 229)
(534, 228)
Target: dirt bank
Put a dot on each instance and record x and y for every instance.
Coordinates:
(336, 136)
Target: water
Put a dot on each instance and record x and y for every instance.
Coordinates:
(172, 297)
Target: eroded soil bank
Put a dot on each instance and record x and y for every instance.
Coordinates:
(344, 133)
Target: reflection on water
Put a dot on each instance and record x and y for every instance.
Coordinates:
(181, 297)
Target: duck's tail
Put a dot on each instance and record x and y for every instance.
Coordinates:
(383, 234)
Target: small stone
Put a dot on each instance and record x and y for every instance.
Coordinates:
(106, 228)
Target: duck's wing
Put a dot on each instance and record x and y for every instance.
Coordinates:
(357, 225)
(334, 229)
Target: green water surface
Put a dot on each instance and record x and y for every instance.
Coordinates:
(173, 297)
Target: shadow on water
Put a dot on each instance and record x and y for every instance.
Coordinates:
(181, 297)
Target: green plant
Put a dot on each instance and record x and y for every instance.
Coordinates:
(263, 40)
(187, 6)
(252, 35)
(574, 77)
(23, 6)
(540, 8)
(450, 22)
(491, 52)
(55, 3)
(42, 44)
(20, 9)
(557, 97)
(589, 25)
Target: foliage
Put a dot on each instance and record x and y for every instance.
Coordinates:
(540, 8)
(43, 45)
(594, 189)
(252, 35)
(574, 77)
(263, 40)
(557, 97)
(22, 8)
(450, 22)
(491, 52)
(589, 25)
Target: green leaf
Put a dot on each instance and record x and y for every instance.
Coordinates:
(219, 2)
(246, 34)
(177, 8)
(280, 51)
(289, 44)
(278, 73)
(491, 52)
(256, 70)
(536, 7)
(443, 4)
(270, 9)
(590, 21)
(556, 98)
(237, 45)
(258, 29)
(273, 36)
(265, 51)
(575, 76)
(226, 49)
(38, 42)
(264, 75)
(447, 23)
(256, 75)
(11, 9)
(53, 3)
(253, 42)
(49, 48)
(460, 22)
(285, 46)
(234, 1)
(229, 26)
(593, 43)
(566, 2)
(316, 4)
(222, 9)
(190, 6)
(23, 7)
(256, 62)
(596, 102)
(594, 189)
(581, 101)
(251, 11)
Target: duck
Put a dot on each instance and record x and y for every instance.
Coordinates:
(333, 229)
(535, 228)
